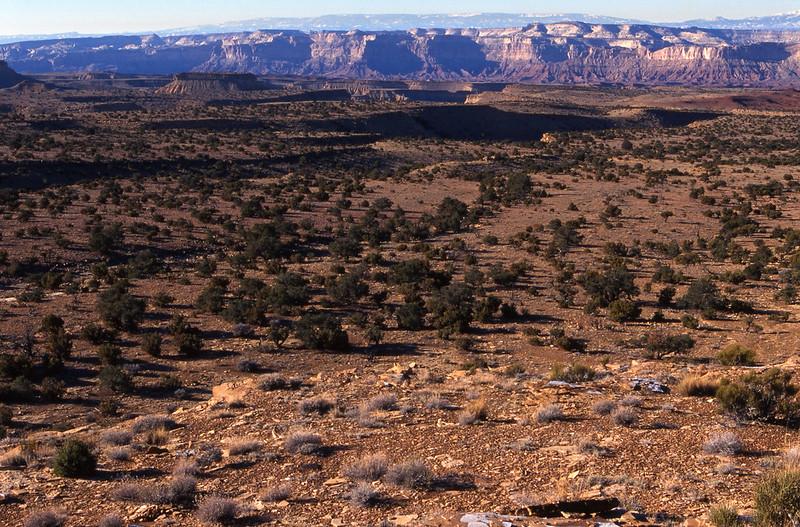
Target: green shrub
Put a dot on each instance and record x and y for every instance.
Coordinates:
(52, 389)
(452, 309)
(702, 295)
(151, 344)
(608, 286)
(52, 324)
(212, 298)
(450, 215)
(59, 344)
(119, 309)
(724, 516)
(767, 396)
(6, 415)
(163, 299)
(777, 499)
(736, 355)
(187, 338)
(74, 460)
(659, 345)
(115, 379)
(289, 290)
(410, 316)
(690, 322)
(105, 240)
(322, 331)
(623, 311)
(109, 354)
(97, 334)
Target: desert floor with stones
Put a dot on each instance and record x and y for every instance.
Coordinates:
(272, 309)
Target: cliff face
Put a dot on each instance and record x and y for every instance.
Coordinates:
(541, 53)
(9, 77)
(207, 83)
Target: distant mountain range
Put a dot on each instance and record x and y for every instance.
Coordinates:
(401, 22)
(557, 53)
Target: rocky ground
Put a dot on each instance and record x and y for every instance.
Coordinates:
(528, 390)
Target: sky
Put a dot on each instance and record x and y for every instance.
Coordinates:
(28, 17)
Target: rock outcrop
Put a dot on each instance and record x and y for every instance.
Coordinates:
(563, 53)
(8, 77)
(211, 84)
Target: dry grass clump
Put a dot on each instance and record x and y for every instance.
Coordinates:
(120, 454)
(369, 468)
(111, 520)
(474, 412)
(116, 437)
(724, 516)
(179, 491)
(186, 467)
(409, 474)
(697, 386)
(384, 402)
(13, 459)
(48, 518)
(156, 437)
(549, 413)
(725, 444)
(631, 401)
(604, 407)
(791, 459)
(364, 495)
(777, 499)
(147, 423)
(437, 402)
(241, 447)
(315, 405)
(217, 510)
(277, 493)
(625, 416)
(303, 442)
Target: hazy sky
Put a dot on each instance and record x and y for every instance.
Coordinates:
(108, 16)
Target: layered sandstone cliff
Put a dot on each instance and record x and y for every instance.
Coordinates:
(568, 52)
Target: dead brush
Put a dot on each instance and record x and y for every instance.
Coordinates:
(276, 381)
(303, 442)
(413, 474)
(147, 423)
(725, 444)
(277, 493)
(364, 495)
(625, 416)
(549, 413)
(217, 510)
(604, 407)
(791, 459)
(368, 468)
(437, 402)
(179, 490)
(475, 412)
(186, 467)
(116, 437)
(315, 405)
(48, 518)
(243, 446)
(120, 454)
(592, 448)
(383, 402)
